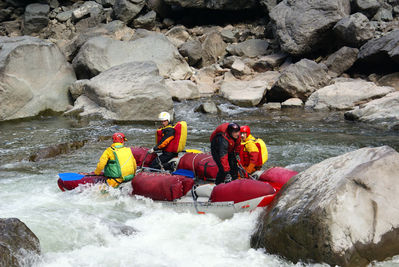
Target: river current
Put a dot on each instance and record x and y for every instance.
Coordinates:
(83, 228)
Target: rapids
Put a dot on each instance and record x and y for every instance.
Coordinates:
(83, 228)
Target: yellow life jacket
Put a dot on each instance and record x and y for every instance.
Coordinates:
(263, 149)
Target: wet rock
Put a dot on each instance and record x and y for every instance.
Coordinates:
(128, 92)
(208, 107)
(56, 150)
(292, 103)
(303, 26)
(272, 106)
(213, 48)
(367, 7)
(146, 21)
(16, 242)
(127, 10)
(346, 95)
(341, 60)
(382, 112)
(299, 80)
(391, 80)
(27, 90)
(181, 90)
(340, 211)
(192, 50)
(35, 18)
(217, 4)
(178, 35)
(354, 30)
(249, 48)
(101, 53)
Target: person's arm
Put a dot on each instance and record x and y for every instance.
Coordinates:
(253, 156)
(223, 146)
(169, 135)
(102, 162)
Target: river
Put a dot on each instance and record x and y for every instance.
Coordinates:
(81, 228)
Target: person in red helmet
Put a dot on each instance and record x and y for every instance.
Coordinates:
(225, 147)
(117, 161)
(253, 151)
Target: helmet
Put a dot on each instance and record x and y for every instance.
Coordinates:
(118, 138)
(245, 129)
(233, 127)
(164, 116)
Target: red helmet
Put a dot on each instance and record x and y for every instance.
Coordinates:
(118, 138)
(245, 129)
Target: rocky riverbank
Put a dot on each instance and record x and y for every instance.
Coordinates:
(68, 56)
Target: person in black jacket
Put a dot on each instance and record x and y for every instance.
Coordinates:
(225, 147)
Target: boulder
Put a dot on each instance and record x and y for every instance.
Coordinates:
(367, 7)
(340, 61)
(128, 92)
(303, 26)
(192, 50)
(346, 95)
(101, 53)
(89, 8)
(127, 10)
(341, 211)
(384, 13)
(382, 112)
(35, 18)
(216, 4)
(391, 80)
(249, 48)
(379, 54)
(77, 88)
(354, 30)
(239, 68)
(299, 80)
(213, 48)
(16, 242)
(146, 21)
(292, 103)
(26, 89)
(208, 107)
(228, 35)
(272, 106)
(269, 62)
(56, 150)
(181, 90)
(205, 79)
(178, 35)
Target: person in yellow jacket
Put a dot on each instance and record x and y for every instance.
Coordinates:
(117, 161)
(253, 151)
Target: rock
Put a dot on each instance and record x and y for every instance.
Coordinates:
(382, 112)
(340, 211)
(181, 90)
(76, 89)
(299, 80)
(238, 68)
(17, 241)
(384, 13)
(340, 61)
(228, 36)
(391, 80)
(213, 48)
(269, 4)
(217, 4)
(269, 62)
(27, 90)
(303, 26)
(272, 106)
(367, 7)
(192, 50)
(292, 103)
(178, 35)
(146, 21)
(354, 30)
(64, 16)
(249, 48)
(127, 10)
(129, 92)
(35, 18)
(101, 53)
(379, 54)
(205, 79)
(160, 7)
(88, 8)
(11, 28)
(56, 150)
(346, 95)
(5, 14)
(208, 107)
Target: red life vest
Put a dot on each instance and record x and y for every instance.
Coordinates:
(234, 145)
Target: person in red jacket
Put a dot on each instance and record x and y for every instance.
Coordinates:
(225, 147)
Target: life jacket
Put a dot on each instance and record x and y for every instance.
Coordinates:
(262, 151)
(178, 143)
(124, 164)
(234, 145)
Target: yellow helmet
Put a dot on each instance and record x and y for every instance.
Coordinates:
(164, 116)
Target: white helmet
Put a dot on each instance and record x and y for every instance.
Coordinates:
(164, 116)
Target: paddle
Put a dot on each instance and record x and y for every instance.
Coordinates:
(73, 176)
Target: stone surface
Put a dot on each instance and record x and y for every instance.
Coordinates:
(340, 61)
(35, 18)
(382, 112)
(181, 90)
(146, 21)
(25, 89)
(346, 95)
(299, 80)
(292, 103)
(129, 92)
(367, 7)
(213, 48)
(101, 53)
(208, 107)
(303, 26)
(192, 50)
(391, 80)
(127, 10)
(341, 211)
(216, 4)
(249, 48)
(16, 242)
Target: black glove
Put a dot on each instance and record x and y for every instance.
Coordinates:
(228, 178)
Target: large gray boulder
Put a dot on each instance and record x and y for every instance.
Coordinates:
(341, 211)
(17, 241)
(216, 4)
(182, 90)
(101, 53)
(192, 50)
(367, 7)
(35, 18)
(128, 92)
(341, 60)
(302, 26)
(354, 30)
(249, 48)
(299, 80)
(213, 48)
(127, 10)
(34, 77)
(382, 112)
(346, 95)
(390, 80)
